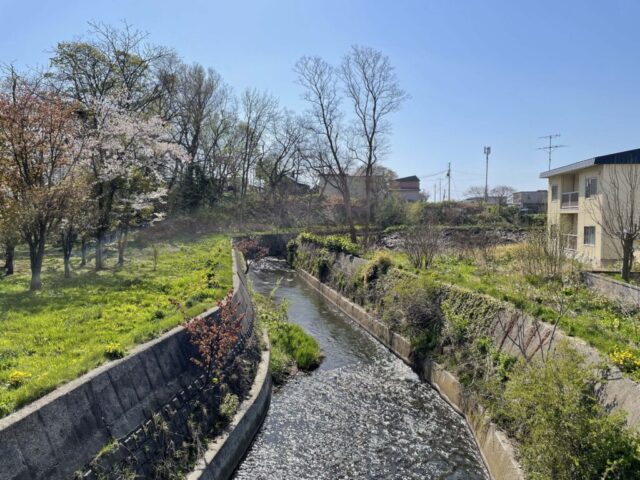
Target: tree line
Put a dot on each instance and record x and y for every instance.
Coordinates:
(118, 132)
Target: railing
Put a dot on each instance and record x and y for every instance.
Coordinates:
(569, 200)
(571, 241)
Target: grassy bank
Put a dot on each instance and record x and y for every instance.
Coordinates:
(292, 348)
(75, 324)
(549, 408)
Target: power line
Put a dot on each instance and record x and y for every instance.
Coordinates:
(551, 147)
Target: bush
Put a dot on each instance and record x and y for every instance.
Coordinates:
(333, 243)
(229, 406)
(564, 433)
(412, 304)
(114, 351)
(292, 251)
(391, 211)
(291, 346)
(375, 268)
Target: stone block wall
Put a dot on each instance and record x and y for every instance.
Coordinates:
(57, 435)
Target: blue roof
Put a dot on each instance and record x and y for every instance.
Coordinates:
(619, 158)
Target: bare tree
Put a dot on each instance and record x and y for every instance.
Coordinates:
(110, 62)
(422, 243)
(326, 153)
(616, 209)
(502, 193)
(371, 84)
(257, 111)
(475, 191)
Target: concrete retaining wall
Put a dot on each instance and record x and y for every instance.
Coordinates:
(60, 433)
(496, 449)
(612, 289)
(225, 454)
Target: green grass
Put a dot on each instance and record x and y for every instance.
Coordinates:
(589, 316)
(291, 347)
(73, 325)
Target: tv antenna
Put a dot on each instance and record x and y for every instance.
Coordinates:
(551, 146)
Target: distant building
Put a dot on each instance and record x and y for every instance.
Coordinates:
(491, 200)
(294, 187)
(356, 183)
(530, 202)
(407, 188)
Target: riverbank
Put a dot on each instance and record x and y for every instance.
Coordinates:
(361, 414)
(493, 350)
(497, 451)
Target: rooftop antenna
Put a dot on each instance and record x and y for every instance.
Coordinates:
(551, 147)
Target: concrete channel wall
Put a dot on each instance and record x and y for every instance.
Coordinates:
(60, 433)
(495, 448)
(225, 454)
(611, 288)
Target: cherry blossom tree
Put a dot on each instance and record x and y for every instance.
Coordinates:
(39, 148)
(129, 155)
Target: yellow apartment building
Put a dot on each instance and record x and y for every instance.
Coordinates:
(581, 193)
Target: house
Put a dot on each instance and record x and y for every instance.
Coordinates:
(407, 188)
(530, 202)
(580, 197)
(356, 183)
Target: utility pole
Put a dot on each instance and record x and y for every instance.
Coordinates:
(487, 152)
(440, 188)
(449, 181)
(435, 193)
(551, 147)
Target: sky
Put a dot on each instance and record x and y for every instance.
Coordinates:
(479, 72)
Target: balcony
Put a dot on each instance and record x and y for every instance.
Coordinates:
(569, 201)
(571, 241)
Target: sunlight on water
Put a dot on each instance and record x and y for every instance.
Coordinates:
(363, 414)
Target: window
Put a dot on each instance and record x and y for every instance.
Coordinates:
(589, 235)
(554, 192)
(590, 187)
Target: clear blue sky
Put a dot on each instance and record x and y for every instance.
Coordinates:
(481, 72)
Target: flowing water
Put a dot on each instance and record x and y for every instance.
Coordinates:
(362, 415)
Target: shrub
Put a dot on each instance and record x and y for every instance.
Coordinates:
(564, 433)
(322, 264)
(252, 251)
(421, 244)
(292, 251)
(229, 406)
(18, 377)
(627, 361)
(376, 267)
(391, 211)
(333, 243)
(215, 336)
(291, 346)
(113, 351)
(413, 304)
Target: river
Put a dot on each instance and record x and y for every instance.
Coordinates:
(363, 414)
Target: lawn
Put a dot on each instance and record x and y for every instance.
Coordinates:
(73, 325)
(602, 323)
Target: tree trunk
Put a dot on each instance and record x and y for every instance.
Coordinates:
(83, 252)
(67, 265)
(122, 244)
(627, 257)
(36, 255)
(367, 202)
(9, 253)
(99, 259)
(349, 213)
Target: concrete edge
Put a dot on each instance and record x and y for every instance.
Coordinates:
(66, 387)
(225, 453)
(495, 448)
